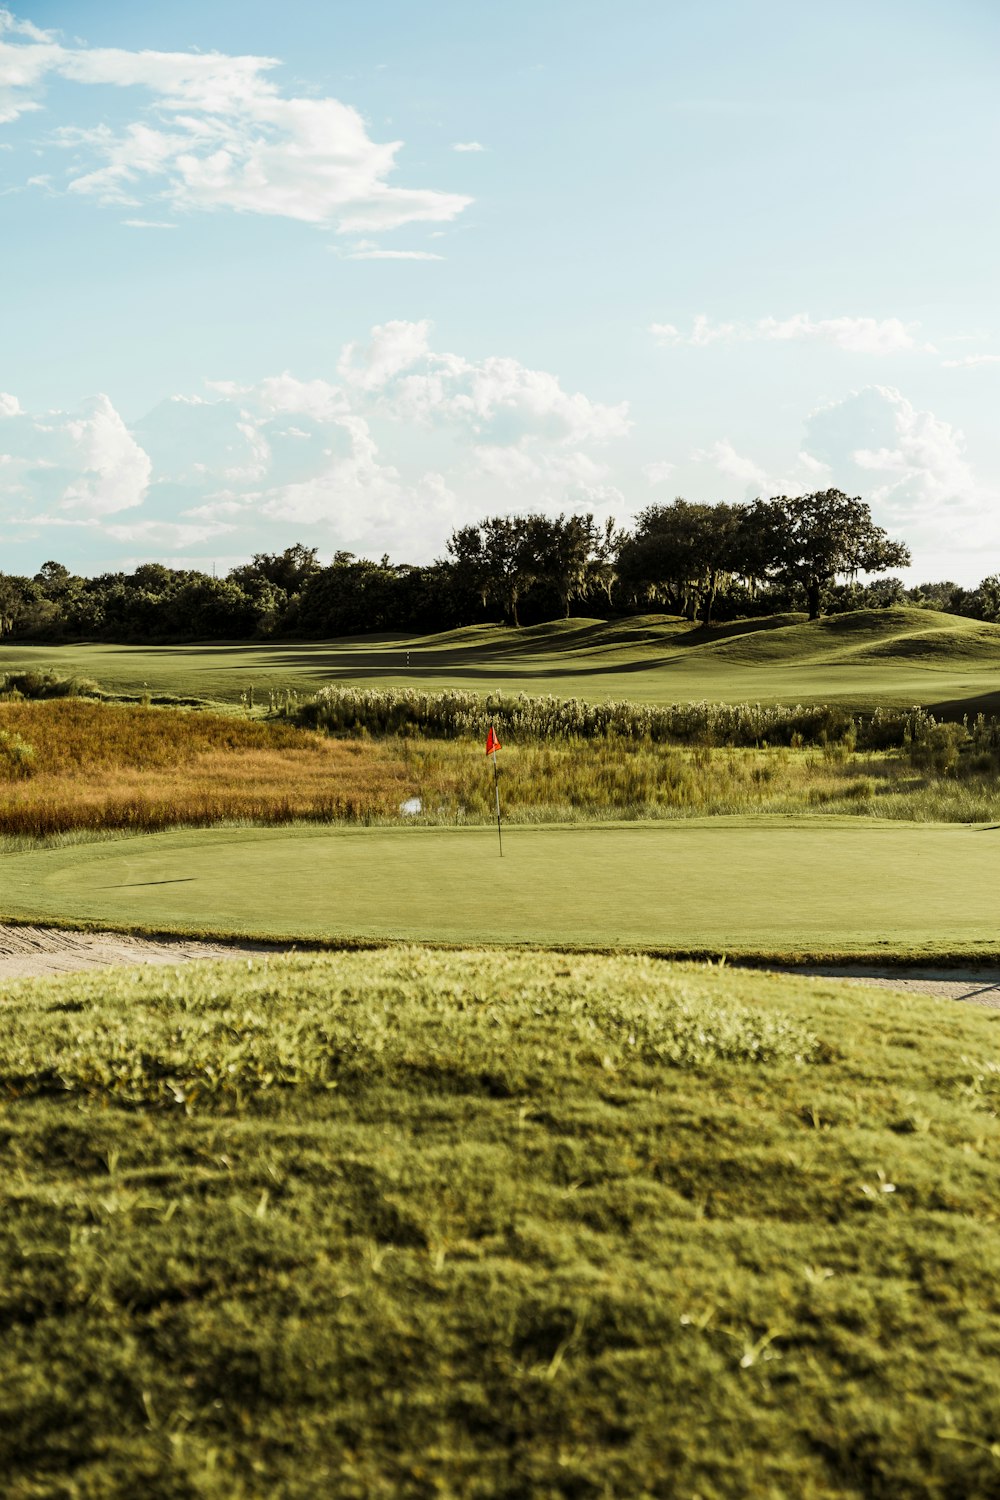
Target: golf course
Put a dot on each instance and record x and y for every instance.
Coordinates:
(499, 751)
(504, 1177)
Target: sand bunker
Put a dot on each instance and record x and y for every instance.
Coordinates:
(31, 952)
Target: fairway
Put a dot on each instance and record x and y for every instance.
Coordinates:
(738, 886)
(899, 657)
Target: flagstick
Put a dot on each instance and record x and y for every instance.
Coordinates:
(496, 786)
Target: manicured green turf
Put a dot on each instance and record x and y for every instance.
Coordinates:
(405, 1225)
(898, 656)
(727, 885)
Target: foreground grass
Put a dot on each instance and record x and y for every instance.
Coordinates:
(409, 1224)
(896, 656)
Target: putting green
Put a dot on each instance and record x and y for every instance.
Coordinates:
(740, 886)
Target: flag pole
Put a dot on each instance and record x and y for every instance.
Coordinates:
(492, 746)
(496, 788)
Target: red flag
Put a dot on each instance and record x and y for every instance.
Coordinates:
(492, 743)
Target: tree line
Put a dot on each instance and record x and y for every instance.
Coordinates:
(705, 562)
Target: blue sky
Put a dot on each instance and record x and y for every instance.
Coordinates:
(353, 275)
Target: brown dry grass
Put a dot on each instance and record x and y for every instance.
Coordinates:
(95, 767)
(104, 766)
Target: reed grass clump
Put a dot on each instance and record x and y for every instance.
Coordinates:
(453, 714)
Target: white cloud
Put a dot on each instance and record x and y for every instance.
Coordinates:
(114, 471)
(149, 224)
(498, 400)
(15, 27)
(814, 467)
(86, 463)
(468, 146)
(161, 534)
(375, 252)
(403, 446)
(365, 503)
(392, 347)
(733, 465)
(909, 464)
(551, 470)
(856, 335)
(220, 135)
(971, 359)
(658, 472)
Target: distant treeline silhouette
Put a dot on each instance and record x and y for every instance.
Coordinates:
(704, 562)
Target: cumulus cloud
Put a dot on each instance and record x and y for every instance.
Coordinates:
(391, 348)
(164, 534)
(468, 146)
(497, 399)
(365, 502)
(910, 464)
(550, 475)
(81, 464)
(658, 472)
(369, 460)
(856, 335)
(220, 134)
(733, 465)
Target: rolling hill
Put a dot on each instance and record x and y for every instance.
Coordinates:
(898, 656)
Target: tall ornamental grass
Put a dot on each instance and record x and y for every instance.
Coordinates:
(456, 715)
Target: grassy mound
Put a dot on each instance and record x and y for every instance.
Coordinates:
(409, 1224)
(898, 656)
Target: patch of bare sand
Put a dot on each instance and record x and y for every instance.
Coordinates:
(980, 986)
(33, 952)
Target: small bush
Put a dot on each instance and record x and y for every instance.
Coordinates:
(35, 684)
(935, 747)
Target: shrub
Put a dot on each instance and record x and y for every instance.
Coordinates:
(36, 684)
(935, 747)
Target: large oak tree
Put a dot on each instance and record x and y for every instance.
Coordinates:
(809, 540)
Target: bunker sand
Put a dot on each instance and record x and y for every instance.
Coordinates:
(32, 952)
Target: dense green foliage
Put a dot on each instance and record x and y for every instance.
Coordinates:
(410, 1225)
(730, 560)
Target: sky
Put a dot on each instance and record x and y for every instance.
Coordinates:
(355, 275)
